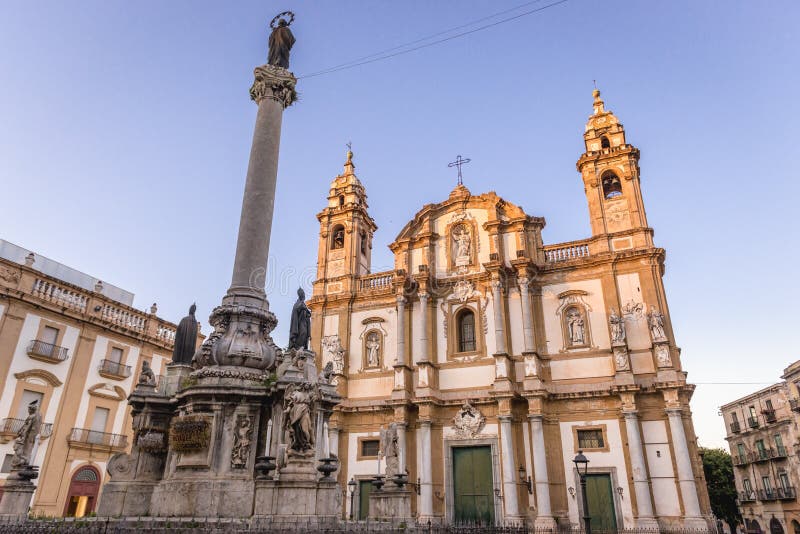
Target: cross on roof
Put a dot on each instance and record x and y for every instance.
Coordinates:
(458, 163)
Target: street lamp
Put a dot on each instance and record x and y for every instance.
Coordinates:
(352, 485)
(582, 465)
(525, 481)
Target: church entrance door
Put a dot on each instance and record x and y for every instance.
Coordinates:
(601, 502)
(364, 488)
(473, 492)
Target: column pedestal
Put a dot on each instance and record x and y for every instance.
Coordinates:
(16, 500)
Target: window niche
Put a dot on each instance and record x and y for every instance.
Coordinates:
(604, 143)
(466, 338)
(337, 237)
(612, 187)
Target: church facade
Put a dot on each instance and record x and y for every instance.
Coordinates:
(500, 357)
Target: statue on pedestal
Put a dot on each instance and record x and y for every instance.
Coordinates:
(185, 338)
(299, 430)
(391, 450)
(26, 437)
(147, 377)
(300, 329)
(617, 328)
(655, 320)
(281, 40)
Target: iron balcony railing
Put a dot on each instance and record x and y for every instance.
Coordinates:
(48, 351)
(12, 425)
(736, 427)
(753, 422)
(93, 437)
(747, 496)
(739, 459)
(769, 416)
(794, 404)
(767, 495)
(787, 493)
(114, 368)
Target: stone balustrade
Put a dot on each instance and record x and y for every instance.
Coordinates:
(58, 294)
(566, 251)
(376, 282)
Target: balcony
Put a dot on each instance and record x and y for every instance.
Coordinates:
(736, 427)
(92, 439)
(769, 416)
(767, 495)
(747, 496)
(113, 370)
(47, 352)
(566, 251)
(761, 455)
(786, 494)
(752, 422)
(794, 404)
(9, 428)
(739, 460)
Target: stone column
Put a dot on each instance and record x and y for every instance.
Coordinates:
(544, 516)
(499, 327)
(425, 501)
(686, 479)
(333, 440)
(641, 483)
(509, 470)
(401, 330)
(423, 304)
(527, 314)
(401, 444)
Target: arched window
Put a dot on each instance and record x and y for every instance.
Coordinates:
(466, 331)
(341, 200)
(363, 243)
(337, 237)
(612, 187)
(604, 142)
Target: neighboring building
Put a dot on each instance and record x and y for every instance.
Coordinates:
(500, 357)
(764, 440)
(76, 345)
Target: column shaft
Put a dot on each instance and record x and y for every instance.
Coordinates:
(527, 314)
(425, 501)
(401, 331)
(423, 337)
(499, 327)
(401, 444)
(509, 469)
(540, 470)
(641, 484)
(686, 478)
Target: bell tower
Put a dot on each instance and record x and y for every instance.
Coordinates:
(345, 235)
(610, 172)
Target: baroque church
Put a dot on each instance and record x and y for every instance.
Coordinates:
(500, 357)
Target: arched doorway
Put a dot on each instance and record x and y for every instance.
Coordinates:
(752, 526)
(83, 490)
(795, 526)
(775, 526)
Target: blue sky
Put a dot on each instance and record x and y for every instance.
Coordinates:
(125, 129)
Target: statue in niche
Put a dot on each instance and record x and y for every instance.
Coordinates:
(576, 327)
(26, 437)
(281, 40)
(461, 245)
(373, 345)
(147, 377)
(300, 328)
(617, 328)
(391, 450)
(299, 430)
(185, 338)
(242, 438)
(655, 320)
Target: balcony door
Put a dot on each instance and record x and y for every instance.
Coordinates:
(99, 422)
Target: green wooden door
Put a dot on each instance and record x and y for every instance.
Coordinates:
(364, 488)
(601, 502)
(473, 491)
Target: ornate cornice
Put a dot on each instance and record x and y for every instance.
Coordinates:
(274, 83)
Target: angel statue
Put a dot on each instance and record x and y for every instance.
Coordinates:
(391, 450)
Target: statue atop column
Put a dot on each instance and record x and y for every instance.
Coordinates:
(281, 39)
(26, 437)
(300, 328)
(185, 338)
(391, 450)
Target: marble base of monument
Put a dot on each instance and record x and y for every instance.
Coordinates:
(299, 495)
(390, 504)
(16, 500)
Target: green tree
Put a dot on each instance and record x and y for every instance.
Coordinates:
(718, 470)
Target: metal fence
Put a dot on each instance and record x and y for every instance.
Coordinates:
(268, 525)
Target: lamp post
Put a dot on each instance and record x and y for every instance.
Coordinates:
(582, 465)
(352, 486)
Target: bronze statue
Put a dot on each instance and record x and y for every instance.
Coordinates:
(26, 437)
(185, 338)
(300, 328)
(281, 40)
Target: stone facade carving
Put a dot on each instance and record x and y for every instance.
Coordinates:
(334, 352)
(576, 326)
(663, 358)
(242, 439)
(298, 416)
(655, 320)
(10, 276)
(463, 290)
(468, 422)
(617, 324)
(373, 346)
(391, 450)
(462, 245)
(621, 362)
(272, 82)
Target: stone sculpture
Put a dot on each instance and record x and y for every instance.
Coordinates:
(242, 439)
(617, 328)
(147, 377)
(373, 349)
(299, 430)
(576, 327)
(391, 450)
(468, 422)
(461, 245)
(300, 328)
(26, 437)
(655, 320)
(185, 338)
(281, 40)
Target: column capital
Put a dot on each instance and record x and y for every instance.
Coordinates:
(273, 83)
(401, 300)
(496, 284)
(536, 417)
(674, 410)
(630, 414)
(523, 282)
(422, 295)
